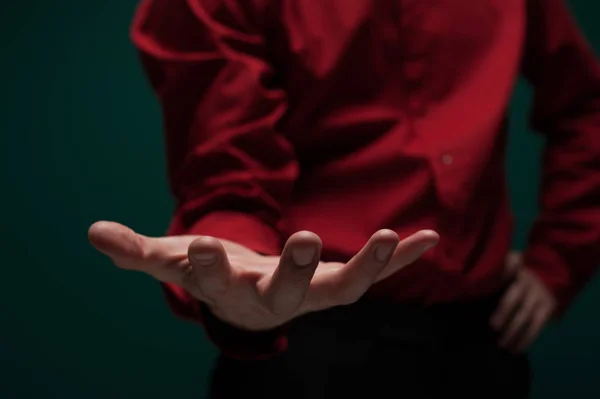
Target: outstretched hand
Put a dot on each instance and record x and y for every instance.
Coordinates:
(256, 292)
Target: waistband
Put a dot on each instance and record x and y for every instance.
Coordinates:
(377, 319)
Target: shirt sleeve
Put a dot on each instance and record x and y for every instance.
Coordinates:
(564, 244)
(230, 172)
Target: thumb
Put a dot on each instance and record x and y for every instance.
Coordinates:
(123, 245)
(164, 258)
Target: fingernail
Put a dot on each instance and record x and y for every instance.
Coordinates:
(205, 259)
(304, 256)
(383, 252)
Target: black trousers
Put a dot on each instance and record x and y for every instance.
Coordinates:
(380, 350)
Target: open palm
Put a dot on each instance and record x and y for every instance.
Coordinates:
(256, 292)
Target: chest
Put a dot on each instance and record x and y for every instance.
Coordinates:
(368, 45)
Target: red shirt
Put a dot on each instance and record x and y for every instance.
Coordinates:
(343, 117)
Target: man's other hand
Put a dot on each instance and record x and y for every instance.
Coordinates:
(525, 308)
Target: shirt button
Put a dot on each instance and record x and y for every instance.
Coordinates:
(447, 159)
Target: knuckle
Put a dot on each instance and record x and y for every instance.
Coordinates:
(194, 289)
(211, 286)
(276, 308)
(367, 272)
(299, 276)
(294, 284)
(142, 249)
(187, 279)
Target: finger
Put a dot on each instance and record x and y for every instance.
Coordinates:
(285, 290)
(508, 305)
(408, 251)
(123, 245)
(212, 272)
(512, 264)
(539, 320)
(519, 323)
(351, 281)
(162, 258)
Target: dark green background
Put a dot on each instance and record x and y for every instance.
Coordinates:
(81, 140)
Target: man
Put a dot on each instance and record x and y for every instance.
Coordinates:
(305, 137)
